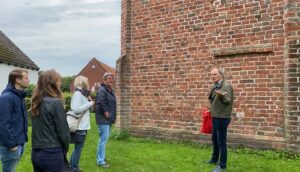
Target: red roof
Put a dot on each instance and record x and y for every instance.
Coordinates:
(94, 71)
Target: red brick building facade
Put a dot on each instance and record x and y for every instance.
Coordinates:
(169, 48)
(94, 71)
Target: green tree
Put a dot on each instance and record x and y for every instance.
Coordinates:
(29, 90)
(65, 83)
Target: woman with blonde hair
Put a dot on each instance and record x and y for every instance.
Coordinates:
(50, 132)
(81, 102)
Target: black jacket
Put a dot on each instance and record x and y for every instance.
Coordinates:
(13, 117)
(105, 102)
(50, 128)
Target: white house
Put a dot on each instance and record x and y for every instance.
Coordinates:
(11, 57)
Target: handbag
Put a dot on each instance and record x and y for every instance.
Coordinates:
(74, 120)
(206, 122)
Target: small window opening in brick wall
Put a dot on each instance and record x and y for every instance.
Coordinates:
(230, 51)
(224, 1)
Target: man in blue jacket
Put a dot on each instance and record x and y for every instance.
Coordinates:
(106, 108)
(13, 123)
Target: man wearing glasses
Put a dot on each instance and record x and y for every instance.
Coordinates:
(106, 108)
(221, 100)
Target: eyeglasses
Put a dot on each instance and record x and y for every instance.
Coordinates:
(109, 78)
(214, 74)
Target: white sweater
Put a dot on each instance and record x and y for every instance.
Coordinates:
(79, 104)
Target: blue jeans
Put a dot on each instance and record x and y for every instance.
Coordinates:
(10, 158)
(79, 140)
(104, 131)
(219, 137)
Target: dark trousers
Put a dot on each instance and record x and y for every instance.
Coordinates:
(78, 138)
(219, 137)
(48, 160)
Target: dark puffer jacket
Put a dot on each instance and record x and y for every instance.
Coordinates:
(105, 102)
(13, 117)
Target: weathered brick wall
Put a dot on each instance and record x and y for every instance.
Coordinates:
(173, 44)
(123, 69)
(292, 71)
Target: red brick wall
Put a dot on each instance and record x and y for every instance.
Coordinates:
(292, 74)
(124, 69)
(169, 47)
(94, 71)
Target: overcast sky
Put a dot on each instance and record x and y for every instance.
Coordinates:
(64, 34)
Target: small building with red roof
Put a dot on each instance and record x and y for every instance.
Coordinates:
(94, 71)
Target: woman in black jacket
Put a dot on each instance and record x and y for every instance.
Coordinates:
(50, 132)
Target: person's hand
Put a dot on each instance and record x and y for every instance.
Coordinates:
(106, 114)
(14, 148)
(93, 102)
(219, 93)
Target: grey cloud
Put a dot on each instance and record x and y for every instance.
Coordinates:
(30, 17)
(65, 37)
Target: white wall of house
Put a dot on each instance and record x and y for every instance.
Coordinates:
(5, 69)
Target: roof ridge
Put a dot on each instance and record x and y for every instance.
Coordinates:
(105, 66)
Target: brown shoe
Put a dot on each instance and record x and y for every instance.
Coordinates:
(105, 165)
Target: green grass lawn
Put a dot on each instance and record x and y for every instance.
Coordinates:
(145, 155)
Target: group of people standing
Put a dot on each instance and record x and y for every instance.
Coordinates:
(50, 131)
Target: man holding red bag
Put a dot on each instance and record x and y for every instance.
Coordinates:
(221, 100)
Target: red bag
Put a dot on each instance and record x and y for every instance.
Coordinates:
(206, 122)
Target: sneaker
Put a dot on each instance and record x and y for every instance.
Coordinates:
(210, 162)
(219, 169)
(105, 165)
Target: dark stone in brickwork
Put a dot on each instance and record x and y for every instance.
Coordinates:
(294, 42)
(294, 19)
(257, 16)
(247, 81)
(290, 5)
(293, 51)
(295, 46)
(294, 56)
(267, 1)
